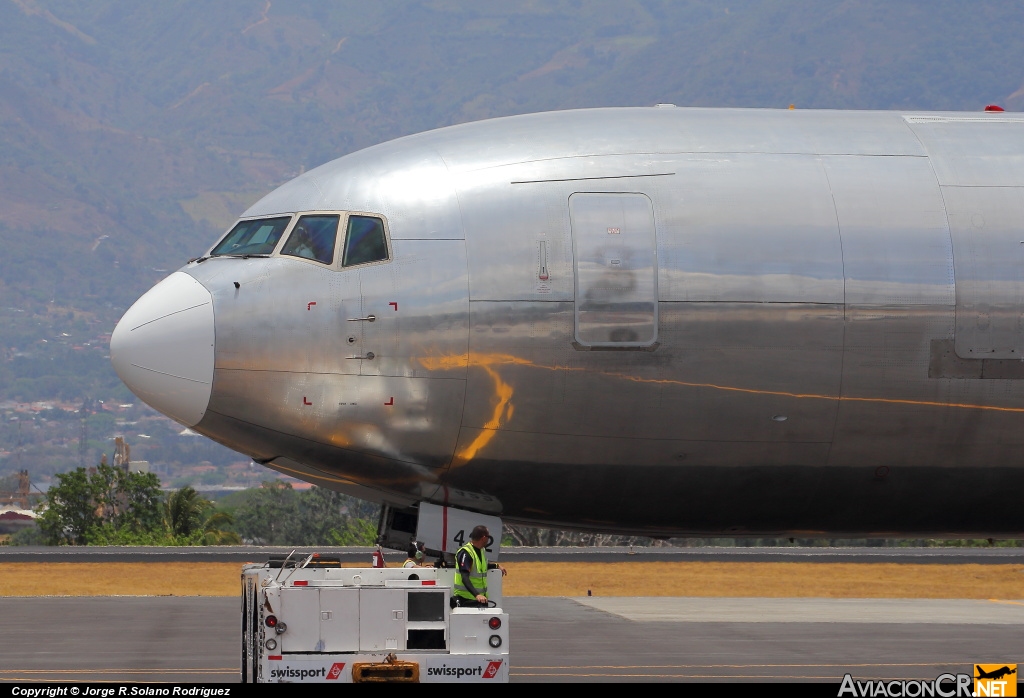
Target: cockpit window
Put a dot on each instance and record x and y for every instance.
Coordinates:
(313, 238)
(365, 241)
(258, 236)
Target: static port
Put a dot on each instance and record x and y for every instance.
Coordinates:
(494, 623)
(271, 621)
(494, 641)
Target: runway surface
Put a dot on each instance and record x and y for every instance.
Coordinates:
(240, 554)
(196, 639)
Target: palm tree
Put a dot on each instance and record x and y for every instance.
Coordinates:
(186, 511)
(214, 535)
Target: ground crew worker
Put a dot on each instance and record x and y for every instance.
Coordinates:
(471, 571)
(416, 555)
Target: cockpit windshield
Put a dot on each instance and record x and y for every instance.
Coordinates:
(313, 238)
(365, 241)
(254, 237)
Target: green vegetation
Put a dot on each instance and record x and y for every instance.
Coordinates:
(101, 506)
(111, 506)
(189, 515)
(275, 514)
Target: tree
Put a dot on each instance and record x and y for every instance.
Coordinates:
(275, 514)
(186, 511)
(269, 514)
(193, 519)
(355, 532)
(69, 510)
(140, 496)
(213, 534)
(322, 512)
(84, 502)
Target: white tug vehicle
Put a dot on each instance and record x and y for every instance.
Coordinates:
(308, 619)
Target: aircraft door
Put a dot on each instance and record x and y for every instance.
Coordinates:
(616, 270)
(988, 260)
(372, 324)
(346, 340)
(380, 310)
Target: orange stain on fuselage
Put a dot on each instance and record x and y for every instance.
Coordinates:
(503, 407)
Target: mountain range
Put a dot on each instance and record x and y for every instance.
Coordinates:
(132, 134)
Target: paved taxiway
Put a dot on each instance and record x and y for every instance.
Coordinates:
(193, 639)
(553, 639)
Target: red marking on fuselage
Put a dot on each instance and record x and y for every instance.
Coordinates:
(394, 304)
(305, 401)
(310, 304)
(444, 522)
(391, 401)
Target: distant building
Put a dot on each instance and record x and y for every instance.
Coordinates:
(13, 519)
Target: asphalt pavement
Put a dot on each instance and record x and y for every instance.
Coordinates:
(196, 639)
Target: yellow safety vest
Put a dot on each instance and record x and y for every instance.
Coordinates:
(477, 576)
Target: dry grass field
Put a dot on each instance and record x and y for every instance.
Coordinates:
(765, 579)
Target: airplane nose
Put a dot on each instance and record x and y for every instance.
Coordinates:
(163, 348)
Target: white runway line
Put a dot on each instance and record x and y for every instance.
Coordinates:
(809, 610)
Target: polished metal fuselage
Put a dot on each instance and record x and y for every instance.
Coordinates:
(837, 302)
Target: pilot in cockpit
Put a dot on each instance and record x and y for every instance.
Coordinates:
(303, 243)
(313, 238)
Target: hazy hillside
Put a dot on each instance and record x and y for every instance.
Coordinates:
(154, 123)
(131, 133)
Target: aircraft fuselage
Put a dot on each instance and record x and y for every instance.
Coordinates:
(655, 320)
